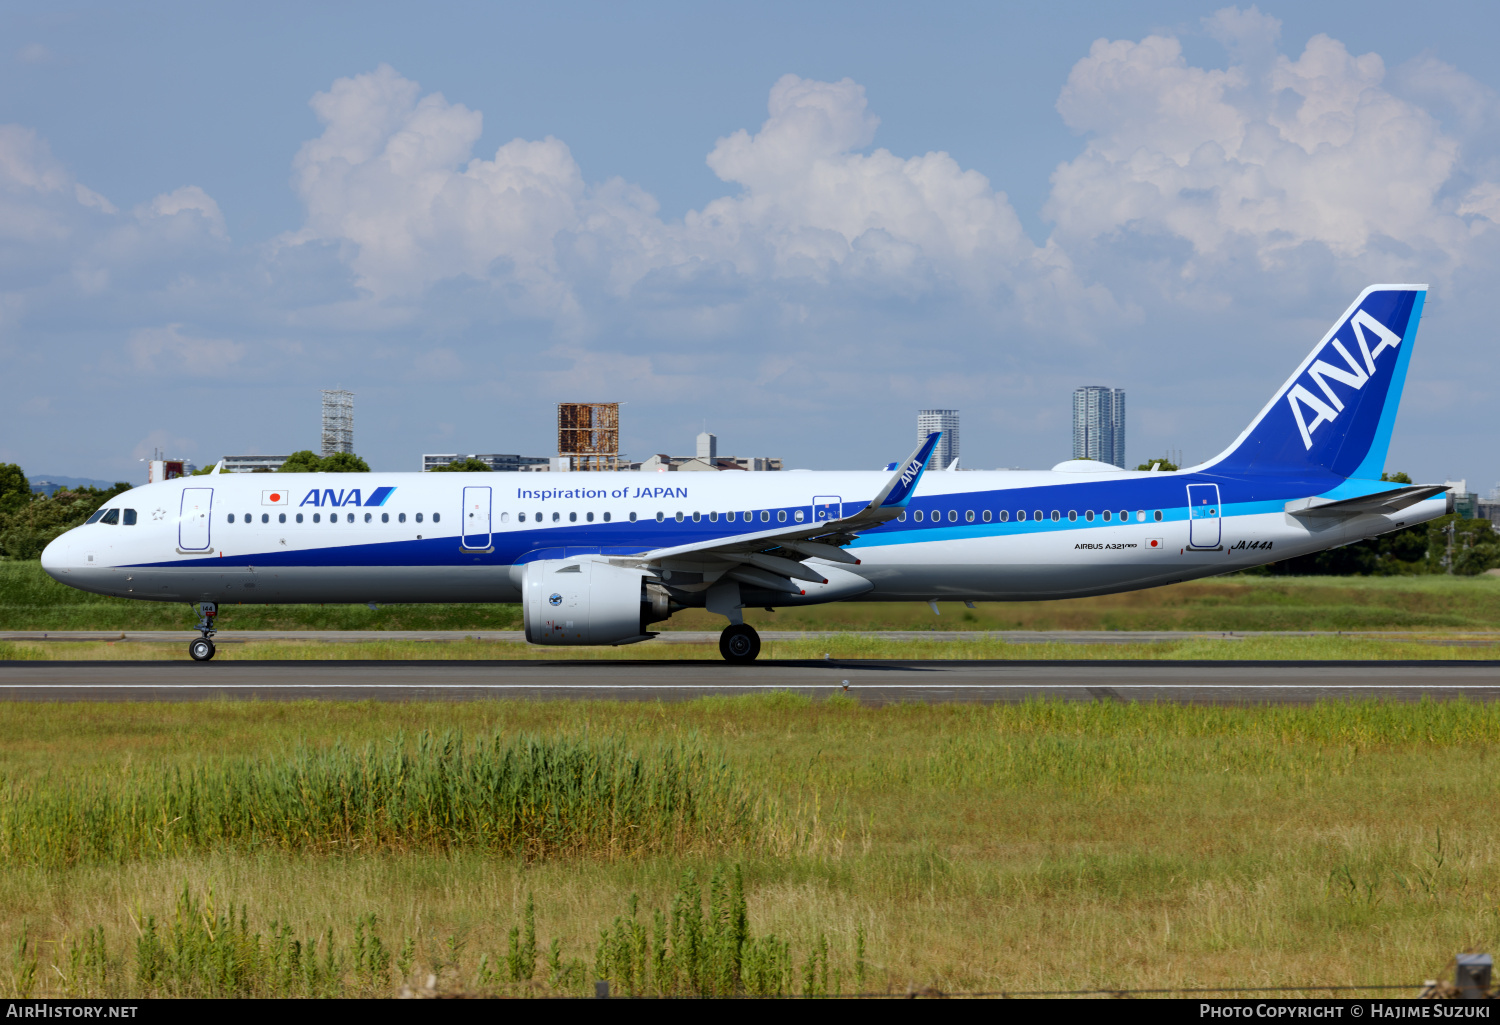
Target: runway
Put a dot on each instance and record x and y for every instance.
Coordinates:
(867, 681)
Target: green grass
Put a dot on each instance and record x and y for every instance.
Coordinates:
(1045, 845)
(30, 600)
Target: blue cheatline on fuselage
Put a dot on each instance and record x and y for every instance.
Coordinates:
(1297, 480)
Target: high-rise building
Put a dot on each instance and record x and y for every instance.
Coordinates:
(338, 421)
(945, 420)
(1099, 424)
(708, 446)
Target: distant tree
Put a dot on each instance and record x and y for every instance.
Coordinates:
(305, 461)
(1399, 477)
(1166, 464)
(344, 462)
(261, 469)
(25, 531)
(463, 466)
(203, 471)
(15, 489)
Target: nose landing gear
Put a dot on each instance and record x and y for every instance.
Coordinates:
(739, 643)
(202, 649)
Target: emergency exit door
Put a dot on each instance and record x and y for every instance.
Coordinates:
(1203, 516)
(827, 508)
(476, 528)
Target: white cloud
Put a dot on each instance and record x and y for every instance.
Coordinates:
(392, 179)
(1258, 158)
(189, 199)
(169, 352)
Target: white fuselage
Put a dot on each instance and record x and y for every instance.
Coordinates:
(464, 537)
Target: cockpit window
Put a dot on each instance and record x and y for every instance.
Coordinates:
(94, 518)
(111, 516)
(129, 517)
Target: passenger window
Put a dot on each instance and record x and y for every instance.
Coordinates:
(1158, 515)
(1089, 515)
(419, 517)
(1124, 515)
(520, 517)
(917, 515)
(436, 518)
(265, 517)
(765, 517)
(401, 517)
(350, 518)
(799, 515)
(249, 518)
(555, 517)
(1036, 514)
(713, 517)
(729, 517)
(632, 517)
(780, 515)
(902, 517)
(986, 516)
(572, 517)
(369, 517)
(386, 517)
(281, 517)
(952, 515)
(661, 517)
(317, 517)
(1004, 515)
(606, 517)
(1107, 515)
(299, 517)
(678, 517)
(1056, 516)
(1072, 515)
(969, 516)
(589, 517)
(231, 517)
(697, 517)
(130, 517)
(98, 514)
(1140, 516)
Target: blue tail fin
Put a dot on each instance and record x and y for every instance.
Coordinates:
(1335, 414)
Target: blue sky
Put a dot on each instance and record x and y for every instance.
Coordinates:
(796, 223)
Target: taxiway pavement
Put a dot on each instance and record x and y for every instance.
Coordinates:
(869, 681)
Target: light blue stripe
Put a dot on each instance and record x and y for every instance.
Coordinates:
(1374, 462)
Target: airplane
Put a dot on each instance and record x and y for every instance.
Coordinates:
(598, 558)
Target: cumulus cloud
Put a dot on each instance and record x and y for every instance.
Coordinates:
(1261, 157)
(393, 179)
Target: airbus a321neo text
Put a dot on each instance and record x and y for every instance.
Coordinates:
(597, 558)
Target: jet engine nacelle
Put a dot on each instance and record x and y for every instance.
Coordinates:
(586, 602)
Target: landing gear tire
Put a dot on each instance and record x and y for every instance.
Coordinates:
(739, 643)
(202, 649)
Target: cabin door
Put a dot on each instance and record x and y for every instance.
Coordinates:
(1203, 516)
(193, 523)
(476, 524)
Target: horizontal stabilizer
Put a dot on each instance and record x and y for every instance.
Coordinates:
(1384, 502)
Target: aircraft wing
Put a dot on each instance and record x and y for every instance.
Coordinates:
(1384, 502)
(773, 558)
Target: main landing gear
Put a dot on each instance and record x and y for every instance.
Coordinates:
(739, 643)
(203, 648)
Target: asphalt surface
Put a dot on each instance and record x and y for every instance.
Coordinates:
(1468, 637)
(869, 681)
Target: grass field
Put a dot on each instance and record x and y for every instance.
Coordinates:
(30, 600)
(270, 848)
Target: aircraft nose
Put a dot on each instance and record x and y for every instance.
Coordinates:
(57, 557)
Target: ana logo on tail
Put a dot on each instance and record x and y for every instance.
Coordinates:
(1301, 398)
